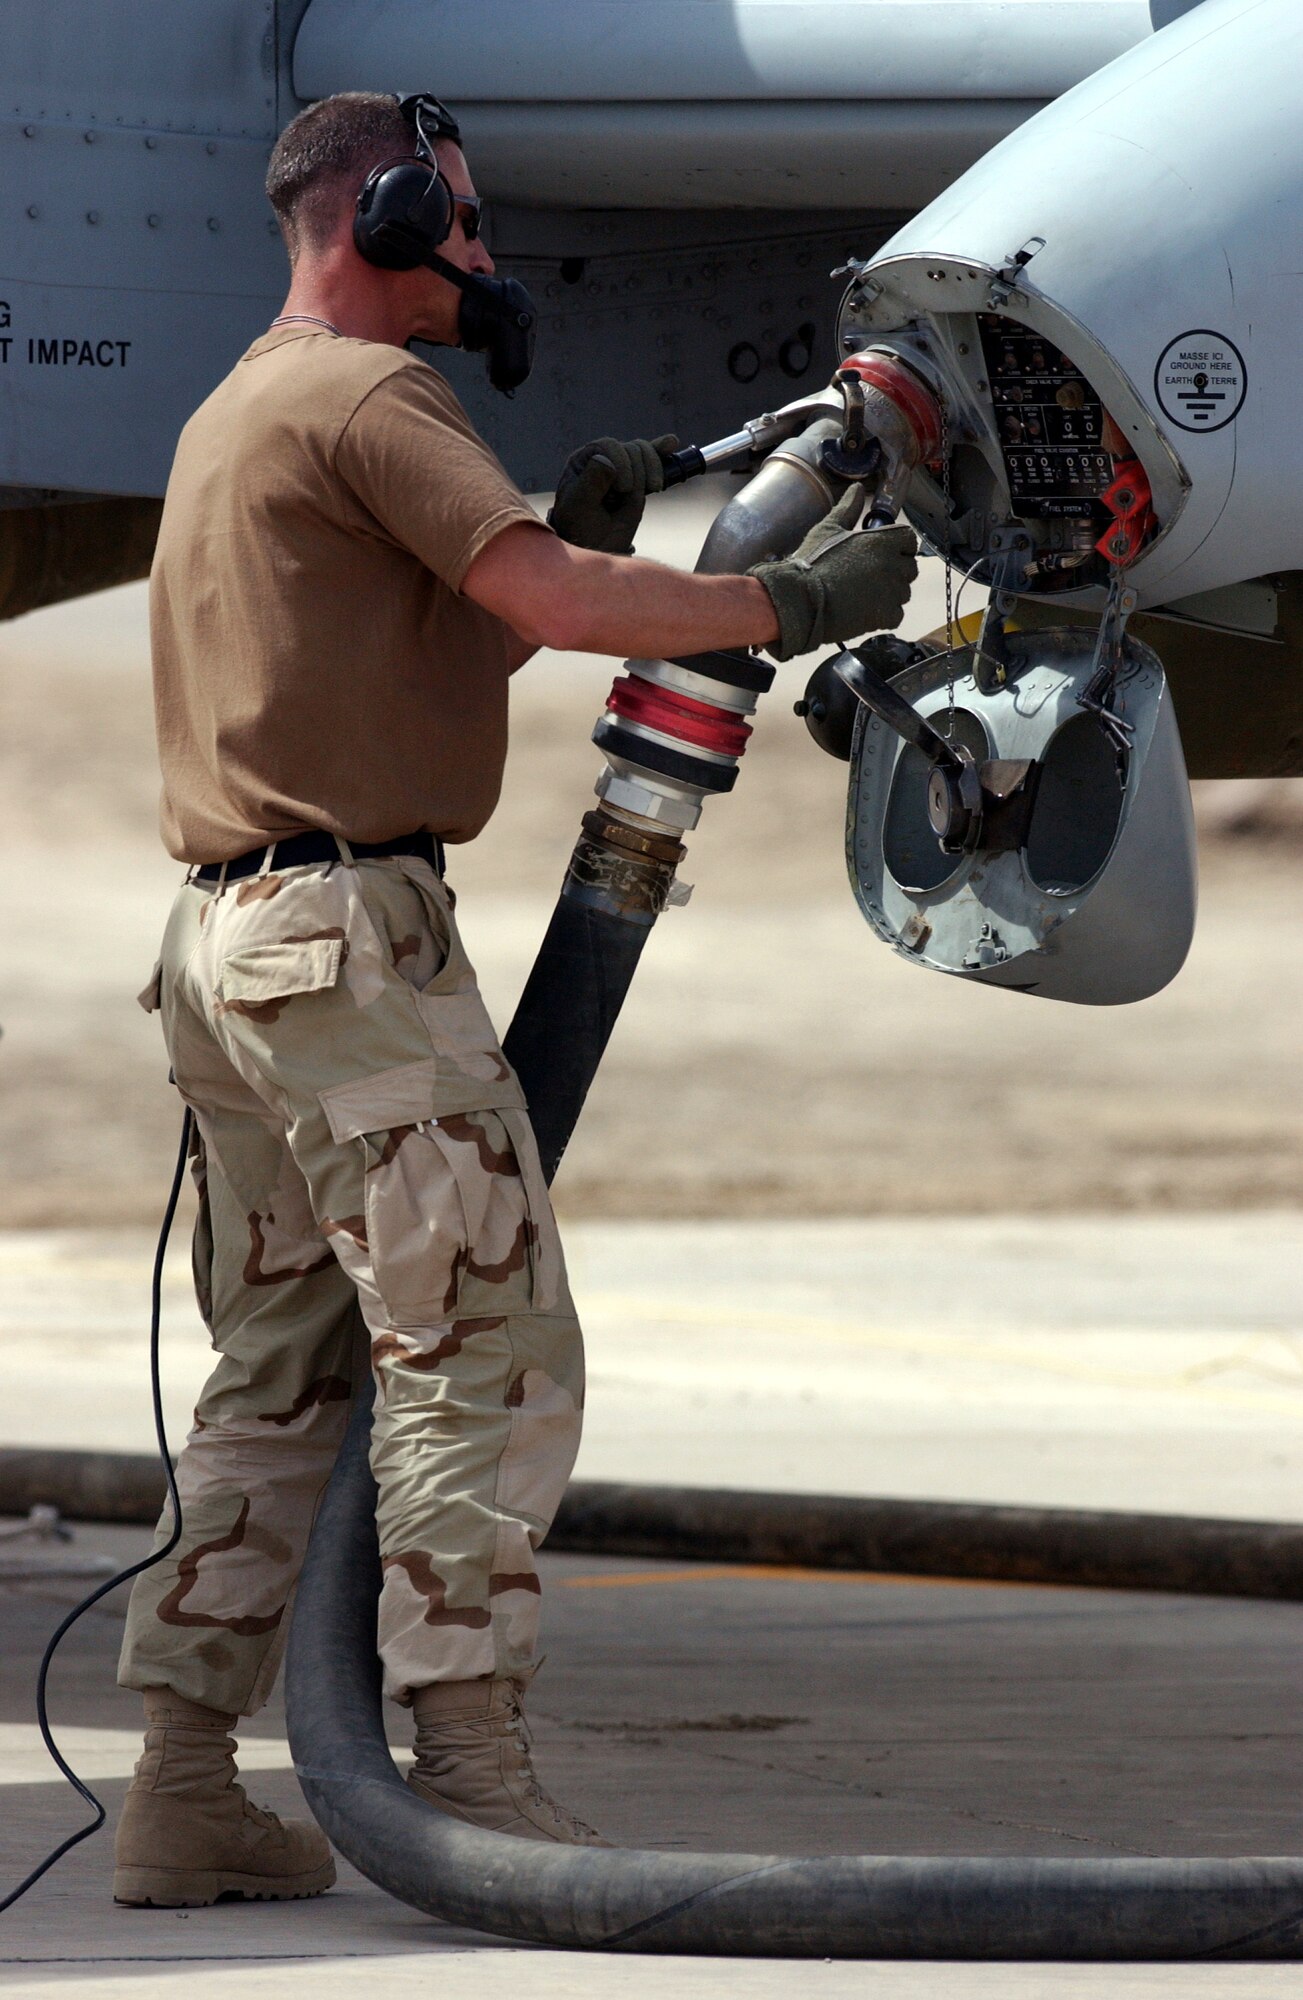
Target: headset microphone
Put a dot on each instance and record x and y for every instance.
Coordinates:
(406, 210)
(496, 319)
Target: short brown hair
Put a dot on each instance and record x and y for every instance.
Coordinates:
(324, 155)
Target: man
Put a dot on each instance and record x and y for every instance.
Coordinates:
(345, 580)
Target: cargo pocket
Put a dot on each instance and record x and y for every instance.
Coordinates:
(414, 1208)
(259, 980)
(457, 1220)
(550, 1291)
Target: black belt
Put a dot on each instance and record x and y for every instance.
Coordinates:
(299, 850)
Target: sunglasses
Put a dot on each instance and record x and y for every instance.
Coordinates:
(470, 210)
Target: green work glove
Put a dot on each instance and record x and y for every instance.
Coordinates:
(602, 489)
(839, 584)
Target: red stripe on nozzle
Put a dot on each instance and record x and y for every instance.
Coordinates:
(699, 723)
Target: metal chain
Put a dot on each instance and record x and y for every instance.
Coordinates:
(950, 574)
(307, 319)
(1101, 690)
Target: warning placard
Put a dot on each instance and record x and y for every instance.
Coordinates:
(1200, 380)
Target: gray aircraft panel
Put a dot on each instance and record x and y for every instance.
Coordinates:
(602, 102)
(709, 154)
(631, 51)
(138, 257)
(202, 66)
(136, 269)
(692, 336)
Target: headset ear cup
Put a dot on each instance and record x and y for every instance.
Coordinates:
(404, 212)
(433, 211)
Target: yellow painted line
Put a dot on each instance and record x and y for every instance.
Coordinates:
(780, 1573)
(625, 1580)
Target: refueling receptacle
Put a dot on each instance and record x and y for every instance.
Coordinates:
(1018, 809)
(1018, 812)
(1017, 835)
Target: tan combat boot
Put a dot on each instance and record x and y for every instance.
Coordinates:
(188, 1834)
(473, 1762)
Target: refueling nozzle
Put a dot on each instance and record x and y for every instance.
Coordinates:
(890, 423)
(742, 451)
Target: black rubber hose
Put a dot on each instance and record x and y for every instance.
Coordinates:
(833, 1531)
(639, 1900)
(566, 1013)
(742, 1905)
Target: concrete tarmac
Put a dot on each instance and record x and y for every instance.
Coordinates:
(1130, 1362)
(1087, 1361)
(736, 1709)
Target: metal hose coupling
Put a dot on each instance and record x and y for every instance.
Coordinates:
(624, 870)
(674, 733)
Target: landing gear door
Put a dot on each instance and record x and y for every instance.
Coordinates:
(1053, 853)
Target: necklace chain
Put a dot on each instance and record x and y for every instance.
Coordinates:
(309, 319)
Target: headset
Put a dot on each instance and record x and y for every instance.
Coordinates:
(406, 210)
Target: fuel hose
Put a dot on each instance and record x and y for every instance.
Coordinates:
(640, 1900)
(737, 1905)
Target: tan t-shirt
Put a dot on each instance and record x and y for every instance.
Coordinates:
(314, 665)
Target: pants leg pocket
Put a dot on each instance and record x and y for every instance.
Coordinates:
(499, 1276)
(458, 1222)
(550, 1289)
(417, 1227)
(450, 1221)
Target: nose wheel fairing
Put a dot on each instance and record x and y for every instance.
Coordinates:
(1094, 902)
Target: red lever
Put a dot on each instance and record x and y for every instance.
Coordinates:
(1130, 502)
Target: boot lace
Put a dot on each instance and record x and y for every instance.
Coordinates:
(258, 1814)
(518, 1723)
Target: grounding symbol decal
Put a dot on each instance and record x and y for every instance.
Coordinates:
(1200, 380)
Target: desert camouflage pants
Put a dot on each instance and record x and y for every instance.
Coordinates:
(366, 1171)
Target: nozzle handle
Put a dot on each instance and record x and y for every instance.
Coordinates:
(682, 465)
